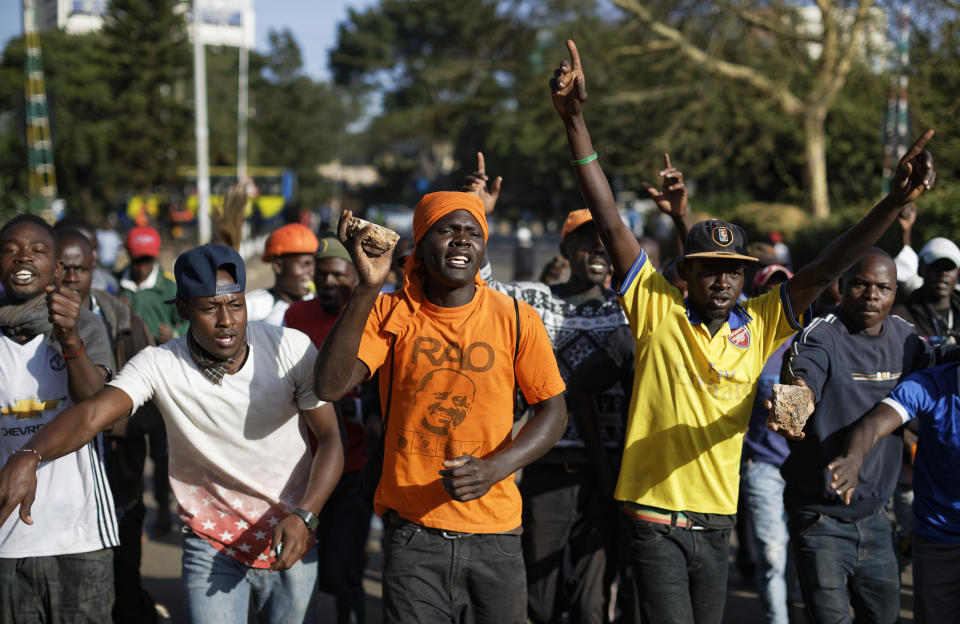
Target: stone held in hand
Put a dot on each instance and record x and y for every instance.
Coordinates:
(380, 238)
(790, 407)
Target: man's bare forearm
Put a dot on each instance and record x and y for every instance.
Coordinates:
(327, 466)
(334, 371)
(537, 436)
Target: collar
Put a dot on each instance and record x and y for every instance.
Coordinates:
(150, 282)
(95, 305)
(737, 319)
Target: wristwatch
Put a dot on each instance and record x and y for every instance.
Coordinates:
(308, 517)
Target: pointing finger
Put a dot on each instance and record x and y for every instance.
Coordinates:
(574, 55)
(666, 161)
(495, 187)
(918, 145)
(481, 166)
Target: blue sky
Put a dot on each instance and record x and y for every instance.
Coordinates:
(312, 22)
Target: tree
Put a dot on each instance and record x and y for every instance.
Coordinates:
(807, 64)
(148, 64)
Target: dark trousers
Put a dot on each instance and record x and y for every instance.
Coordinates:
(835, 554)
(936, 581)
(681, 574)
(60, 589)
(569, 531)
(432, 578)
(344, 524)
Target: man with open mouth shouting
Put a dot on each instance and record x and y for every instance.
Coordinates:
(237, 400)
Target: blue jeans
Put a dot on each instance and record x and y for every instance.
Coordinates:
(60, 589)
(681, 574)
(762, 488)
(834, 554)
(473, 579)
(218, 588)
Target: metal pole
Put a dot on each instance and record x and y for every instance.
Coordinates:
(201, 130)
(242, 109)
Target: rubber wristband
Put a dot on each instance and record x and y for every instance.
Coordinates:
(73, 356)
(592, 157)
(29, 450)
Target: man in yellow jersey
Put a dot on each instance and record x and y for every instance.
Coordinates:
(697, 364)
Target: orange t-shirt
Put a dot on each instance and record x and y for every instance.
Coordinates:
(453, 385)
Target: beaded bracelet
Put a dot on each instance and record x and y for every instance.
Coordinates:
(582, 161)
(73, 356)
(29, 450)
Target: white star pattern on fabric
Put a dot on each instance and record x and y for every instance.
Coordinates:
(191, 489)
(231, 552)
(260, 535)
(207, 501)
(226, 537)
(245, 547)
(272, 521)
(236, 503)
(262, 557)
(223, 514)
(193, 511)
(208, 526)
(241, 525)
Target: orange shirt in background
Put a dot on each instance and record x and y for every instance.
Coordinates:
(453, 385)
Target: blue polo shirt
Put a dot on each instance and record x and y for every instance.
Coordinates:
(931, 397)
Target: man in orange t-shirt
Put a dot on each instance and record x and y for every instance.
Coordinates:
(451, 353)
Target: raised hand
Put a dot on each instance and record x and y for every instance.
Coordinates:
(671, 199)
(915, 172)
(373, 268)
(476, 184)
(63, 308)
(568, 85)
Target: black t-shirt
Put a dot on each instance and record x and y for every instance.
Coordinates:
(849, 374)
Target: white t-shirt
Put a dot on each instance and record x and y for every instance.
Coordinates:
(239, 459)
(263, 306)
(73, 511)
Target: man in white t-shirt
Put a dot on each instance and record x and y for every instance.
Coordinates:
(56, 565)
(237, 400)
(289, 250)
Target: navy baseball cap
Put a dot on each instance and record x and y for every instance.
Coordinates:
(196, 272)
(717, 239)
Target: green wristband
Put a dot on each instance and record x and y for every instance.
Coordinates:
(592, 157)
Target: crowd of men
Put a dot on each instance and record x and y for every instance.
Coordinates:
(631, 399)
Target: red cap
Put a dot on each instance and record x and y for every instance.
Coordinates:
(143, 241)
(763, 275)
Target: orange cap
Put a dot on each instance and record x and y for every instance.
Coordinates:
(292, 238)
(574, 220)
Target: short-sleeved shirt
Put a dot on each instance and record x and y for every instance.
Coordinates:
(933, 397)
(239, 459)
(692, 393)
(453, 394)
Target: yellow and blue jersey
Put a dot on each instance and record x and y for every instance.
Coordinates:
(692, 393)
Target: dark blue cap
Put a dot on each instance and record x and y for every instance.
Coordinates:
(196, 272)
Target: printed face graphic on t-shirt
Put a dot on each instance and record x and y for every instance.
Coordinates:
(444, 397)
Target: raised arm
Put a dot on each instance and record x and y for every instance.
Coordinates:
(338, 369)
(671, 199)
(879, 422)
(914, 175)
(568, 88)
(84, 378)
(70, 430)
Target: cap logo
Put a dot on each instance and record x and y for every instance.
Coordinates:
(740, 337)
(722, 236)
(323, 246)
